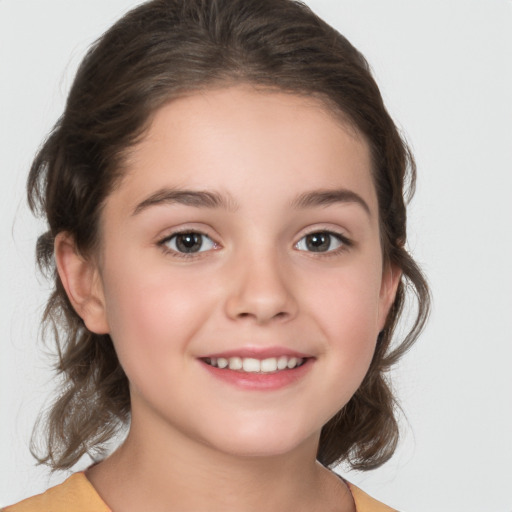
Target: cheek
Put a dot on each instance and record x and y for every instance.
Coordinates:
(346, 308)
(350, 297)
(152, 314)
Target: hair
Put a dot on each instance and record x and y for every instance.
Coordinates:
(159, 51)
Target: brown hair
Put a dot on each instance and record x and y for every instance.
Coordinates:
(159, 51)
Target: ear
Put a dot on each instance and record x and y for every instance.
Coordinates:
(391, 276)
(82, 282)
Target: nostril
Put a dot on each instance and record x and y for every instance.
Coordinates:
(280, 315)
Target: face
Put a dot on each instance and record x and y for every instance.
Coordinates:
(240, 271)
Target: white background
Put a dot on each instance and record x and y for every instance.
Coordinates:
(445, 70)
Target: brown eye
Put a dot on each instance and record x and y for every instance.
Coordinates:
(189, 243)
(321, 241)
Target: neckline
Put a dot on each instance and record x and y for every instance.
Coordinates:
(93, 490)
(83, 477)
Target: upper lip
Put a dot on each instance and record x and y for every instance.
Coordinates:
(258, 353)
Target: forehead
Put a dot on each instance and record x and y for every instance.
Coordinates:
(238, 136)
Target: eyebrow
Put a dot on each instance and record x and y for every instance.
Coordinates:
(205, 199)
(198, 199)
(329, 197)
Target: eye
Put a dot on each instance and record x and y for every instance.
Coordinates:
(321, 241)
(189, 242)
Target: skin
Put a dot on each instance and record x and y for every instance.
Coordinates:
(195, 441)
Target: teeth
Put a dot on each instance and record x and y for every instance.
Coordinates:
(292, 362)
(235, 363)
(252, 365)
(269, 365)
(282, 363)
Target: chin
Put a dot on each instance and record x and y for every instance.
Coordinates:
(268, 440)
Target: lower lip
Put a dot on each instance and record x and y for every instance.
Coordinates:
(260, 381)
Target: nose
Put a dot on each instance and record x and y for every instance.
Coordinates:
(260, 291)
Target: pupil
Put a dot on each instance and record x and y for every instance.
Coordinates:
(189, 242)
(318, 242)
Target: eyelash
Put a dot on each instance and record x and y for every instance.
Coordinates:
(185, 255)
(345, 244)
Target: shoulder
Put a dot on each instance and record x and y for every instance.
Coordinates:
(76, 494)
(365, 503)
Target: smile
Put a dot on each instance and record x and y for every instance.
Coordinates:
(253, 365)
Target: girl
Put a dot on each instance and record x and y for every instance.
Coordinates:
(225, 201)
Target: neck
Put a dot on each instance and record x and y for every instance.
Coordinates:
(186, 475)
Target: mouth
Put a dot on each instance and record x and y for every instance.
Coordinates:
(259, 368)
(268, 365)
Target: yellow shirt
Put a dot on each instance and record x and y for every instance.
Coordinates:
(77, 494)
